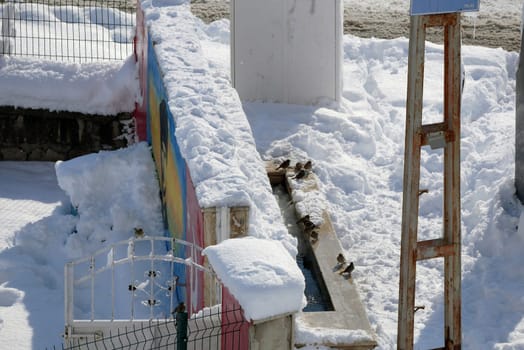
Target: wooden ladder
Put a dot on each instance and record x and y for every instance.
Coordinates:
(444, 135)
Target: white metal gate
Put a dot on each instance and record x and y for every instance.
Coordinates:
(130, 282)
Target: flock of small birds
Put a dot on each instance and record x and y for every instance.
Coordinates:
(301, 170)
(309, 228)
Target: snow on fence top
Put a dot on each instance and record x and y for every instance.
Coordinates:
(104, 88)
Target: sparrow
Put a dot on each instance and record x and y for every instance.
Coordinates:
(309, 225)
(303, 219)
(139, 232)
(341, 259)
(300, 174)
(284, 164)
(298, 167)
(308, 165)
(180, 308)
(347, 271)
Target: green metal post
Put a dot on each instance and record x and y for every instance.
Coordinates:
(181, 330)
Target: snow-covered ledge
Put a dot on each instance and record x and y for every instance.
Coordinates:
(261, 275)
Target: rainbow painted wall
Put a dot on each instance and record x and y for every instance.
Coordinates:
(183, 217)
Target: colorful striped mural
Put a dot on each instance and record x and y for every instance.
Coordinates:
(182, 215)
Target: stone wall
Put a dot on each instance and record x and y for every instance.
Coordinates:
(37, 134)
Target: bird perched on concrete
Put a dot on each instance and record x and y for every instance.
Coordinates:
(309, 225)
(300, 174)
(302, 219)
(348, 270)
(308, 165)
(298, 167)
(284, 164)
(341, 259)
(139, 232)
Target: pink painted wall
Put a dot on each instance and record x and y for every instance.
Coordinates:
(235, 328)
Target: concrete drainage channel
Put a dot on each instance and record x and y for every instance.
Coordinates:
(332, 298)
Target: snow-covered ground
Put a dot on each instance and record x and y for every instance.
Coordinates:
(357, 152)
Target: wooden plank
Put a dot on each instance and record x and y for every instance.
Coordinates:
(452, 234)
(410, 202)
(443, 20)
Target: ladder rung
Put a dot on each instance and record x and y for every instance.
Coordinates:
(436, 127)
(433, 248)
(440, 20)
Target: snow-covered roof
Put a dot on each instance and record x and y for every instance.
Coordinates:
(260, 274)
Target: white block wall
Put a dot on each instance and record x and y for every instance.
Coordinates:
(287, 51)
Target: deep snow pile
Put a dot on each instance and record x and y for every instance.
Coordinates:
(104, 88)
(113, 193)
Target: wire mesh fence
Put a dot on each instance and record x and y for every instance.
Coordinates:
(210, 329)
(68, 30)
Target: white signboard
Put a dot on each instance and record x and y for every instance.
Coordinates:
(428, 7)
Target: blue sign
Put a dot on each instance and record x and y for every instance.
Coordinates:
(429, 7)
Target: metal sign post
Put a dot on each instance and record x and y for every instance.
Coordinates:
(444, 135)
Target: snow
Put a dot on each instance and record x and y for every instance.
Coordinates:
(357, 152)
(112, 193)
(39, 235)
(261, 274)
(104, 88)
(326, 335)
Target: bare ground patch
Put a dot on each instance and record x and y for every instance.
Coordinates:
(499, 31)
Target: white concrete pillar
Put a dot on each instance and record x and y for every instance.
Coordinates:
(287, 51)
